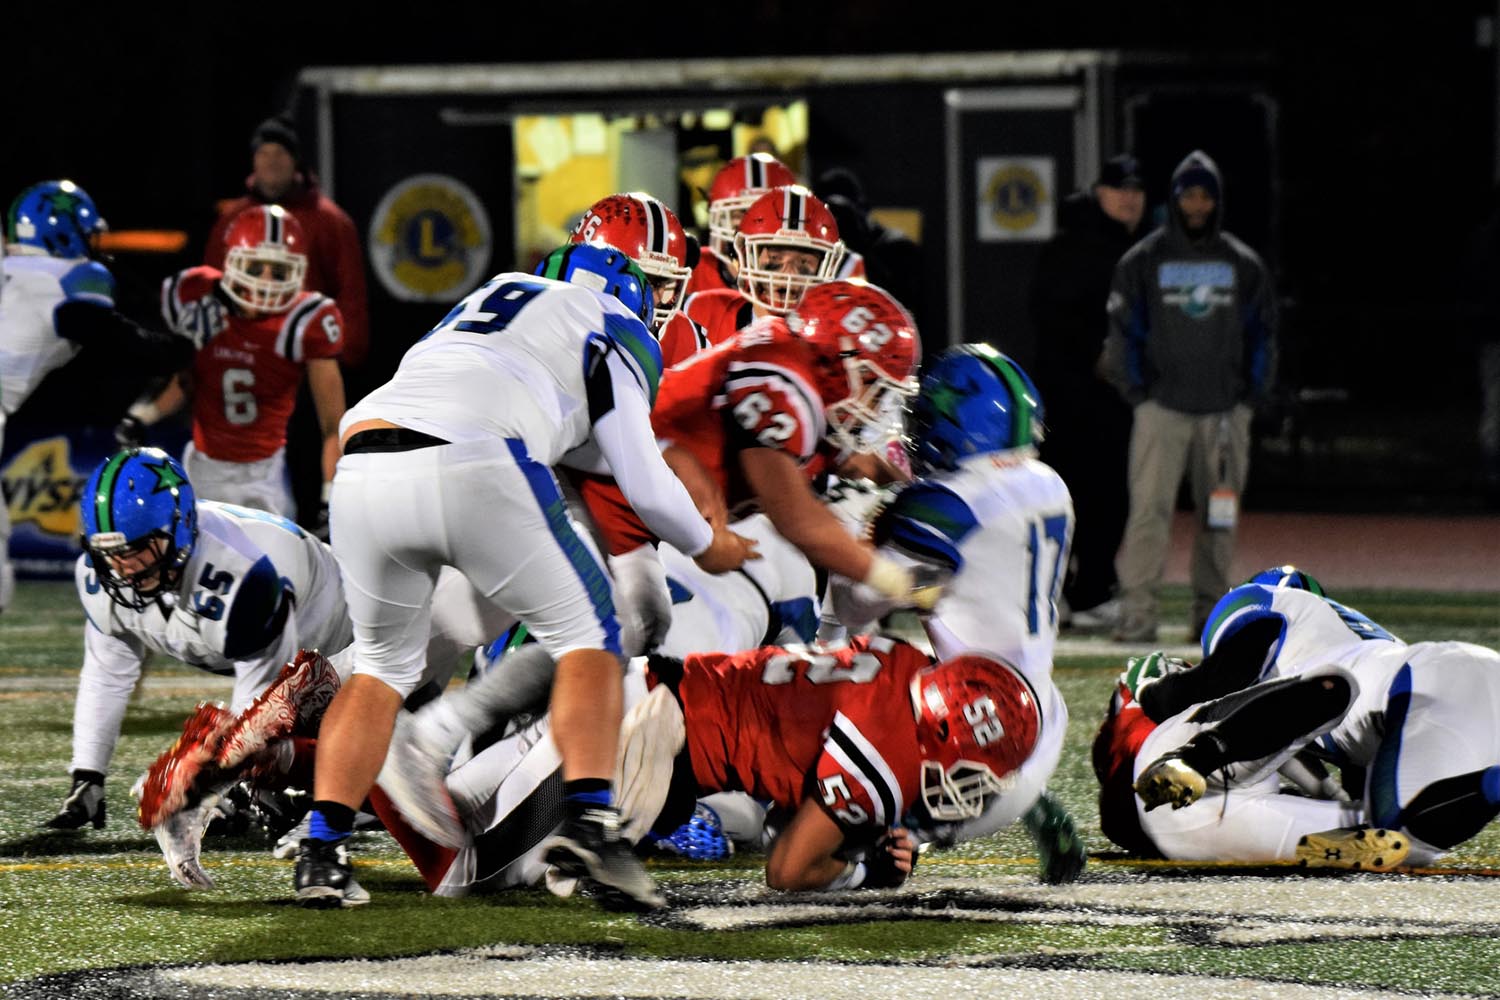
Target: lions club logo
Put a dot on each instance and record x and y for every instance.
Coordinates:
(1016, 195)
(430, 239)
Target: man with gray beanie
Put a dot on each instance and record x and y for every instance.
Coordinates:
(1191, 346)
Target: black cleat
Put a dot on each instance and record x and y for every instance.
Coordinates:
(84, 805)
(590, 847)
(325, 878)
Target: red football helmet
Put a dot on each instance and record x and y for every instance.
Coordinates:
(266, 259)
(787, 243)
(734, 189)
(977, 721)
(650, 234)
(866, 350)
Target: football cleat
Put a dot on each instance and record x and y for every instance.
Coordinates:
(180, 837)
(701, 838)
(1169, 780)
(168, 784)
(325, 876)
(1356, 848)
(298, 695)
(590, 847)
(413, 778)
(1059, 848)
(83, 806)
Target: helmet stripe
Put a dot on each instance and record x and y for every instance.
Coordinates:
(795, 216)
(656, 226)
(755, 173)
(1021, 430)
(273, 227)
(104, 498)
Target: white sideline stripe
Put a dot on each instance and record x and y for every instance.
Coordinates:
(479, 974)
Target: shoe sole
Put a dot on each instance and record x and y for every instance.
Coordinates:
(1359, 850)
(326, 897)
(572, 860)
(1168, 787)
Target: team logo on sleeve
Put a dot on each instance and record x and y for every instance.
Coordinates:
(430, 239)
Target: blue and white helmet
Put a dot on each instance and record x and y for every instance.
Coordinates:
(1288, 577)
(139, 502)
(57, 218)
(973, 401)
(602, 268)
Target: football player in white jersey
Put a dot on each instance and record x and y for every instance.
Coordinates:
(993, 523)
(1418, 720)
(57, 301)
(228, 589)
(449, 463)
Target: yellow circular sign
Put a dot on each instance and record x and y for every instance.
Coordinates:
(430, 239)
(1015, 196)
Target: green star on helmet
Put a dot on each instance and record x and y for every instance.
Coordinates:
(166, 477)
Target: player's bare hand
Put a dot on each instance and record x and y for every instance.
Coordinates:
(902, 848)
(726, 552)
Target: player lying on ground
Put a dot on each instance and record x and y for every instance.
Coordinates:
(1417, 722)
(849, 747)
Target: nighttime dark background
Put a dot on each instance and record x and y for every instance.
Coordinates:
(1386, 154)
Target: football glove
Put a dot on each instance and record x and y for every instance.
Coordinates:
(1142, 671)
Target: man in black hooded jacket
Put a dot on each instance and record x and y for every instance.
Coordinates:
(1191, 347)
(1088, 426)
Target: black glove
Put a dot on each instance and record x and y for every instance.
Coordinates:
(880, 866)
(130, 432)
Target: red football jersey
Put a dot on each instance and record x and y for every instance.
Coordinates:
(247, 372)
(1116, 745)
(723, 312)
(712, 273)
(756, 390)
(680, 339)
(787, 724)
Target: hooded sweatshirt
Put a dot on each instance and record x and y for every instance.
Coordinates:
(1192, 318)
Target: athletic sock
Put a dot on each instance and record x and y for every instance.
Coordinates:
(1268, 724)
(584, 794)
(330, 821)
(1448, 812)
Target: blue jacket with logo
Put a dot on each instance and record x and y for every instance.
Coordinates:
(1192, 321)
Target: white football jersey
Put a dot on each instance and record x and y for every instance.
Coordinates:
(255, 589)
(30, 347)
(770, 601)
(468, 377)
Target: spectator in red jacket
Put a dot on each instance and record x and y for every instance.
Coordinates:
(335, 267)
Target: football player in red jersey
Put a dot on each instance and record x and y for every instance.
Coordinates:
(766, 410)
(650, 234)
(850, 747)
(258, 331)
(786, 243)
(734, 188)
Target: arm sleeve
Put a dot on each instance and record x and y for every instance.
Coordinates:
(95, 326)
(1123, 361)
(1238, 660)
(111, 667)
(622, 428)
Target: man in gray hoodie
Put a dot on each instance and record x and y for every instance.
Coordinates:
(1192, 316)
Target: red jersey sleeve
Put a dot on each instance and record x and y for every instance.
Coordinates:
(712, 273)
(722, 313)
(681, 338)
(314, 328)
(771, 398)
(189, 305)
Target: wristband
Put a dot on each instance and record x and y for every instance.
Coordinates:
(852, 877)
(886, 576)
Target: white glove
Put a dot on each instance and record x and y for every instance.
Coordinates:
(642, 601)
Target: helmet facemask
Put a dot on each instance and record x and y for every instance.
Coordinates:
(265, 279)
(960, 791)
(776, 270)
(669, 283)
(135, 573)
(874, 405)
(724, 218)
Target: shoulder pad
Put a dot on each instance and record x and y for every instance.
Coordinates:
(89, 281)
(928, 521)
(1244, 604)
